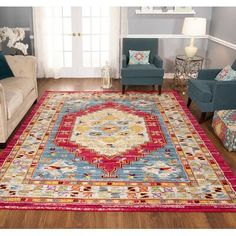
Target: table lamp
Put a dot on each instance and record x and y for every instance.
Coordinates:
(193, 26)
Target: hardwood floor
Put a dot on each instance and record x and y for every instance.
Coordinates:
(68, 219)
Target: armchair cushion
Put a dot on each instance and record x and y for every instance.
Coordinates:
(5, 70)
(202, 90)
(149, 70)
(226, 74)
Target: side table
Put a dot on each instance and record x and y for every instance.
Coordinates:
(186, 68)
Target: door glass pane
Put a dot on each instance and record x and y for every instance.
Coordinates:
(67, 43)
(95, 25)
(56, 26)
(86, 59)
(58, 44)
(104, 11)
(104, 26)
(57, 11)
(95, 43)
(95, 11)
(95, 59)
(67, 25)
(67, 11)
(86, 25)
(86, 11)
(68, 59)
(95, 36)
(86, 43)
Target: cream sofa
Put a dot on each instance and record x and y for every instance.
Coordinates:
(17, 94)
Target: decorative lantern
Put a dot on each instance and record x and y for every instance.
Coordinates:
(106, 76)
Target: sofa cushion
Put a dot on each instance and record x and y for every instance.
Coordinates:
(20, 84)
(5, 70)
(201, 89)
(14, 98)
(149, 70)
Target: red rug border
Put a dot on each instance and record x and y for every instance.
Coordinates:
(228, 173)
(230, 176)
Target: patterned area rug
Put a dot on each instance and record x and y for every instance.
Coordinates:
(103, 151)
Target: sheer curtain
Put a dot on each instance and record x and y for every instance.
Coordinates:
(118, 28)
(46, 32)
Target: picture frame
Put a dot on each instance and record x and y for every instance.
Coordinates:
(183, 9)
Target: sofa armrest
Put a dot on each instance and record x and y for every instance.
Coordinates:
(23, 66)
(124, 61)
(208, 74)
(224, 95)
(3, 115)
(157, 61)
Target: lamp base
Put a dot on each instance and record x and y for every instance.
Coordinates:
(190, 51)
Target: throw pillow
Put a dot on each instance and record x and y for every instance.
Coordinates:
(5, 70)
(138, 57)
(226, 74)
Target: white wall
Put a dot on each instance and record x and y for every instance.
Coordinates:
(223, 27)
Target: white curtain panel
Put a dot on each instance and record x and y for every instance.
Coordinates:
(46, 31)
(118, 28)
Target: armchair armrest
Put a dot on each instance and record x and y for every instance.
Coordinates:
(124, 61)
(224, 95)
(157, 61)
(23, 66)
(3, 115)
(208, 74)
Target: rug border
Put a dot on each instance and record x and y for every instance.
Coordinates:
(228, 173)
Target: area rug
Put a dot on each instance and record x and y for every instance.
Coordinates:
(104, 151)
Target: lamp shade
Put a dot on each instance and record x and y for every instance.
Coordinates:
(194, 26)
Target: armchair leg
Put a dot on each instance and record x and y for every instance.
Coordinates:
(203, 117)
(189, 102)
(159, 89)
(123, 89)
(3, 145)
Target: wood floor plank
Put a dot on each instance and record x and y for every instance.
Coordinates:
(68, 219)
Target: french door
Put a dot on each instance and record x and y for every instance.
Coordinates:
(85, 37)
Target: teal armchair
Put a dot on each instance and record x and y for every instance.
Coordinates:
(150, 74)
(211, 95)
